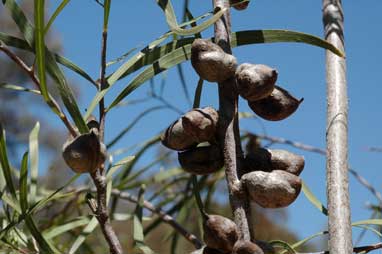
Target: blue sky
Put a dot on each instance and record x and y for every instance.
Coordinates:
(301, 70)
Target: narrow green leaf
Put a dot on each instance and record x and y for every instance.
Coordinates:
(21, 20)
(40, 47)
(370, 229)
(5, 164)
(313, 199)
(368, 222)
(166, 6)
(307, 239)
(117, 166)
(24, 183)
(82, 237)
(12, 202)
(34, 157)
(55, 14)
(58, 230)
(106, 12)
(44, 244)
(18, 88)
(282, 244)
(138, 214)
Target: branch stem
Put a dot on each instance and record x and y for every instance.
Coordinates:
(340, 232)
(228, 131)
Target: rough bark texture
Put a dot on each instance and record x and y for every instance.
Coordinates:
(340, 236)
(228, 130)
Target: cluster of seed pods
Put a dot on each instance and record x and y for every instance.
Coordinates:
(271, 177)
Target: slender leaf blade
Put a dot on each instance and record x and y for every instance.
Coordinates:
(24, 183)
(5, 163)
(34, 160)
(55, 14)
(313, 199)
(82, 237)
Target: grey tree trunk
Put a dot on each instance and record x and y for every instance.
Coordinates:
(340, 234)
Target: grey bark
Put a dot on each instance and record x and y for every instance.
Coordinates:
(340, 234)
(228, 131)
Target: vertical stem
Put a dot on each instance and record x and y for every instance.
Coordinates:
(340, 234)
(228, 131)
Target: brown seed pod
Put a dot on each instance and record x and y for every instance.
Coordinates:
(239, 7)
(277, 106)
(220, 233)
(201, 160)
(211, 62)
(246, 247)
(175, 137)
(255, 81)
(84, 153)
(201, 123)
(272, 190)
(268, 160)
(287, 161)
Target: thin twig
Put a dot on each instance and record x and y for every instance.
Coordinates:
(165, 217)
(30, 72)
(228, 130)
(99, 176)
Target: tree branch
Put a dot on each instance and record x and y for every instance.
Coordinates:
(340, 231)
(228, 130)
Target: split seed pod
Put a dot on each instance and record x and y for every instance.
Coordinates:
(268, 160)
(246, 247)
(239, 7)
(196, 126)
(201, 123)
(220, 233)
(201, 160)
(211, 62)
(175, 137)
(255, 81)
(277, 106)
(272, 190)
(84, 153)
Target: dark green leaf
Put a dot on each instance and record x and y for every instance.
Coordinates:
(18, 88)
(5, 164)
(44, 244)
(24, 183)
(106, 8)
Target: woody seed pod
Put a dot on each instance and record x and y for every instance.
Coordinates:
(200, 123)
(211, 62)
(277, 106)
(287, 161)
(84, 153)
(268, 160)
(272, 190)
(220, 233)
(255, 81)
(246, 247)
(175, 137)
(201, 160)
(239, 7)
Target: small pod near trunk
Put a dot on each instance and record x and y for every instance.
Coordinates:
(277, 106)
(85, 153)
(211, 62)
(246, 247)
(194, 127)
(239, 6)
(201, 160)
(276, 189)
(255, 81)
(277, 159)
(220, 233)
